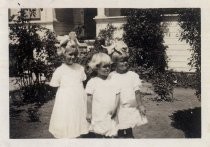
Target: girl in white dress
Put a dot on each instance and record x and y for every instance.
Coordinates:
(68, 119)
(103, 98)
(131, 111)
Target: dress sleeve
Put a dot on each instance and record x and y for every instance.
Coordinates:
(90, 87)
(136, 81)
(56, 79)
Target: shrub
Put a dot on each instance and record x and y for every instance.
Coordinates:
(183, 79)
(39, 93)
(32, 53)
(163, 85)
(190, 22)
(144, 36)
(107, 34)
(163, 82)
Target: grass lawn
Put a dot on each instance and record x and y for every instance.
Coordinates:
(177, 119)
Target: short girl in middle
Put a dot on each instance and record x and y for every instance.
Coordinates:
(103, 98)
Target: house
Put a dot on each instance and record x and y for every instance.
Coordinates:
(63, 20)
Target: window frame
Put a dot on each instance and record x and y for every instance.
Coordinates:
(32, 17)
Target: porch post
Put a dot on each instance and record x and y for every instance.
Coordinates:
(100, 12)
(54, 15)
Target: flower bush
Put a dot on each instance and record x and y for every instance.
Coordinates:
(32, 55)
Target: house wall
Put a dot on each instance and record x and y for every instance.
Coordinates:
(45, 19)
(63, 21)
(71, 18)
(113, 11)
(67, 20)
(178, 51)
(116, 21)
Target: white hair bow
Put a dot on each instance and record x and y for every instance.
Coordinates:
(117, 46)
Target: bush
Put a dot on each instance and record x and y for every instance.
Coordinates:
(32, 47)
(185, 80)
(144, 36)
(107, 34)
(39, 93)
(190, 22)
(163, 85)
(32, 55)
(163, 82)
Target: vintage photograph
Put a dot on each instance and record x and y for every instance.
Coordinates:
(104, 73)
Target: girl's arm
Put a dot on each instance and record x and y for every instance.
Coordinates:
(107, 47)
(110, 48)
(63, 42)
(77, 42)
(139, 100)
(80, 44)
(89, 107)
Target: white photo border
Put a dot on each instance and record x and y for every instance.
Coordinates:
(4, 71)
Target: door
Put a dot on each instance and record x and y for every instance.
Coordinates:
(89, 23)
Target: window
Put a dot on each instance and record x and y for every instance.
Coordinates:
(13, 13)
(31, 14)
(113, 11)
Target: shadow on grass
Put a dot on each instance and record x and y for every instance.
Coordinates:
(34, 96)
(189, 121)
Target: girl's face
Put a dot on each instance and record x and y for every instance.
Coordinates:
(103, 70)
(122, 65)
(70, 56)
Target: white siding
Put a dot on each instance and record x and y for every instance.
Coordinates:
(178, 51)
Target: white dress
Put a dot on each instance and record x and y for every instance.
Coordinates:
(128, 114)
(68, 119)
(103, 103)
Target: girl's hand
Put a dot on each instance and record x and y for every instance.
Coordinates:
(142, 110)
(89, 117)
